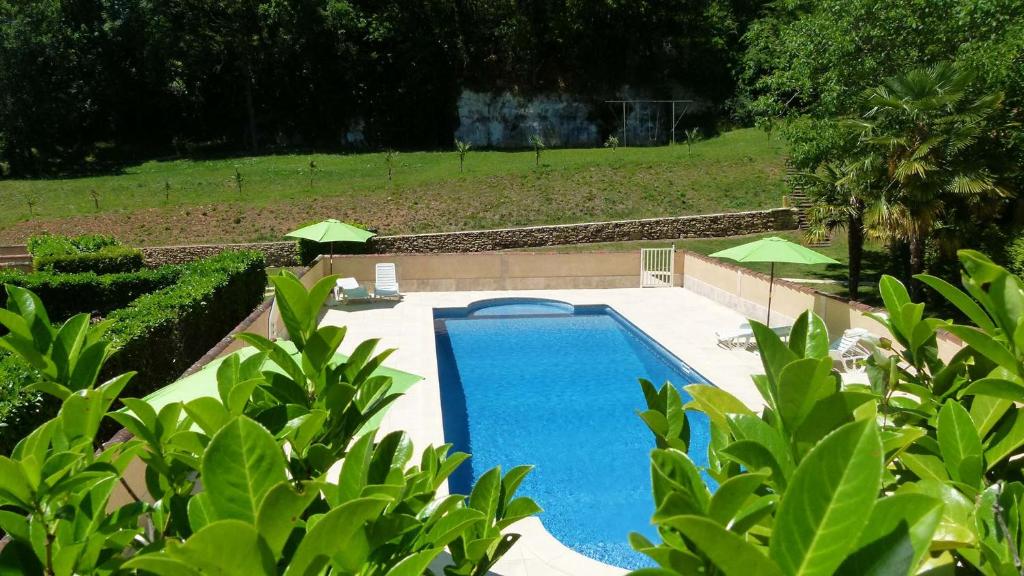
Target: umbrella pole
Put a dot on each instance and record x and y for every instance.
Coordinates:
(332, 258)
(771, 283)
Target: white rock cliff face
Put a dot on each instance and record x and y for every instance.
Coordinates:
(488, 120)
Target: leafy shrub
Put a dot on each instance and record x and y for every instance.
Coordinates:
(85, 253)
(162, 333)
(21, 409)
(58, 245)
(68, 294)
(104, 261)
(162, 321)
(917, 471)
(239, 480)
(1015, 254)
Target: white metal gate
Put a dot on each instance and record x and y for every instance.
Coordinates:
(656, 267)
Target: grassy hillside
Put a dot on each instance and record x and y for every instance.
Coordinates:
(186, 201)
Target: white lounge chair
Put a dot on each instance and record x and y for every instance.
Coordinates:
(348, 290)
(386, 283)
(745, 335)
(852, 348)
(733, 338)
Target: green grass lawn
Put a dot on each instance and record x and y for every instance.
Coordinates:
(192, 201)
(874, 262)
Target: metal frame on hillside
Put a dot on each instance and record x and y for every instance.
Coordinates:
(636, 103)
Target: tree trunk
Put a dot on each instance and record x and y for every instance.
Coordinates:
(917, 245)
(855, 238)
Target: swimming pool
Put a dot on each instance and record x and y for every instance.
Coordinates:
(546, 383)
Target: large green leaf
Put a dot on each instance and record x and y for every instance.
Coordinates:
(226, 547)
(729, 552)
(985, 345)
(801, 385)
(281, 511)
(296, 310)
(716, 403)
(959, 444)
(240, 465)
(337, 530)
(995, 387)
(677, 484)
(809, 336)
(897, 536)
(1006, 440)
(960, 299)
(486, 494)
(828, 501)
(732, 495)
(415, 564)
(774, 357)
(956, 529)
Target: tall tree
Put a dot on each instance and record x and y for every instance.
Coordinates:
(928, 137)
(839, 204)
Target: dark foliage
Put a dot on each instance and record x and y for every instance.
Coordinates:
(130, 78)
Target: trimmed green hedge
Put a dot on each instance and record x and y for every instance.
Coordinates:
(68, 294)
(57, 245)
(163, 333)
(106, 261)
(20, 410)
(159, 334)
(85, 253)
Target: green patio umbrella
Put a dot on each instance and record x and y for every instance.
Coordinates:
(332, 231)
(773, 249)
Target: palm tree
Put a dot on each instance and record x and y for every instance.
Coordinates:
(839, 204)
(922, 131)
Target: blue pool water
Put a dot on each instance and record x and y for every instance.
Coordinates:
(542, 383)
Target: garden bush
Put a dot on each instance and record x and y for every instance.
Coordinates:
(21, 410)
(162, 321)
(918, 471)
(162, 333)
(58, 245)
(105, 261)
(85, 253)
(68, 294)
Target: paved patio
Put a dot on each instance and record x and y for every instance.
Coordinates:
(682, 321)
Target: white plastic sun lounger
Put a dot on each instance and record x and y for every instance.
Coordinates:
(852, 348)
(733, 338)
(386, 282)
(744, 336)
(348, 290)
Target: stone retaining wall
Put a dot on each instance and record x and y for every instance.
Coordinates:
(700, 226)
(276, 253)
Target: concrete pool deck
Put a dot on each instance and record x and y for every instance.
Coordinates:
(682, 321)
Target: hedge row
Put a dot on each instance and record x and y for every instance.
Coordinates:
(106, 261)
(47, 244)
(68, 294)
(20, 410)
(159, 335)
